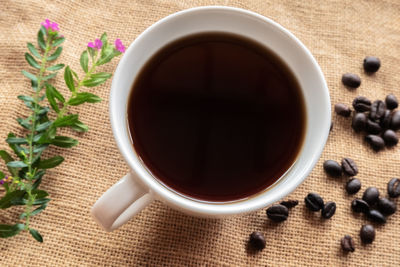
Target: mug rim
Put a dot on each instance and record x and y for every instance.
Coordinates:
(175, 199)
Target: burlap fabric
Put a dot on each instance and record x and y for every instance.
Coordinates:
(338, 33)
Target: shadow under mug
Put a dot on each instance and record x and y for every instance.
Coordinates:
(139, 188)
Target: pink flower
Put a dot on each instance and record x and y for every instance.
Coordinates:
(50, 25)
(97, 44)
(119, 46)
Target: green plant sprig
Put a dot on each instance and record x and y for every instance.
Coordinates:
(26, 172)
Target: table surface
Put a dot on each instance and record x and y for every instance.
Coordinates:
(338, 33)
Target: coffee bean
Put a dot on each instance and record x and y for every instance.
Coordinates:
(371, 64)
(328, 210)
(371, 195)
(373, 127)
(332, 168)
(314, 202)
(390, 138)
(359, 122)
(367, 233)
(375, 141)
(376, 216)
(353, 186)
(395, 121)
(393, 187)
(385, 120)
(351, 80)
(342, 110)
(349, 167)
(347, 244)
(378, 109)
(359, 205)
(278, 213)
(361, 104)
(290, 203)
(386, 206)
(257, 241)
(391, 102)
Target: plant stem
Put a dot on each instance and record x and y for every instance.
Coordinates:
(31, 173)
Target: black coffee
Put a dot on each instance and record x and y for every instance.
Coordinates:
(216, 117)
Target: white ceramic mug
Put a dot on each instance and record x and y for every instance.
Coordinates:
(139, 188)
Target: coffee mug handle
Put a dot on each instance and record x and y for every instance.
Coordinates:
(121, 202)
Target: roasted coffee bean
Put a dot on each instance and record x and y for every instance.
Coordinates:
(349, 167)
(328, 210)
(351, 80)
(347, 244)
(361, 104)
(342, 110)
(376, 216)
(395, 120)
(290, 203)
(367, 233)
(314, 202)
(375, 141)
(359, 122)
(257, 241)
(353, 186)
(378, 109)
(332, 168)
(371, 195)
(386, 206)
(373, 127)
(359, 205)
(391, 102)
(393, 187)
(371, 64)
(278, 213)
(390, 138)
(385, 120)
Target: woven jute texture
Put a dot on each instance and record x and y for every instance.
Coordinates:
(338, 33)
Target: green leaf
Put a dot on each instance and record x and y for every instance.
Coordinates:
(103, 39)
(48, 77)
(43, 111)
(36, 235)
(32, 61)
(69, 80)
(68, 120)
(91, 52)
(105, 75)
(41, 201)
(16, 140)
(56, 54)
(40, 39)
(10, 230)
(29, 75)
(84, 61)
(24, 123)
(106, 55)
(40, 148)
(64, 141)
(80, 127)
(7, 158)
(5, 202)
(26, 98)
(94, 82)
(39, 193)
(17, 164)
(14, 147)
(56, 67)
(33, 50)
(43, 126)
(52, 94)
(38, 178)
(84, 97)
(51, 162)
(38, 210)
(58, 41)
(2, 175)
